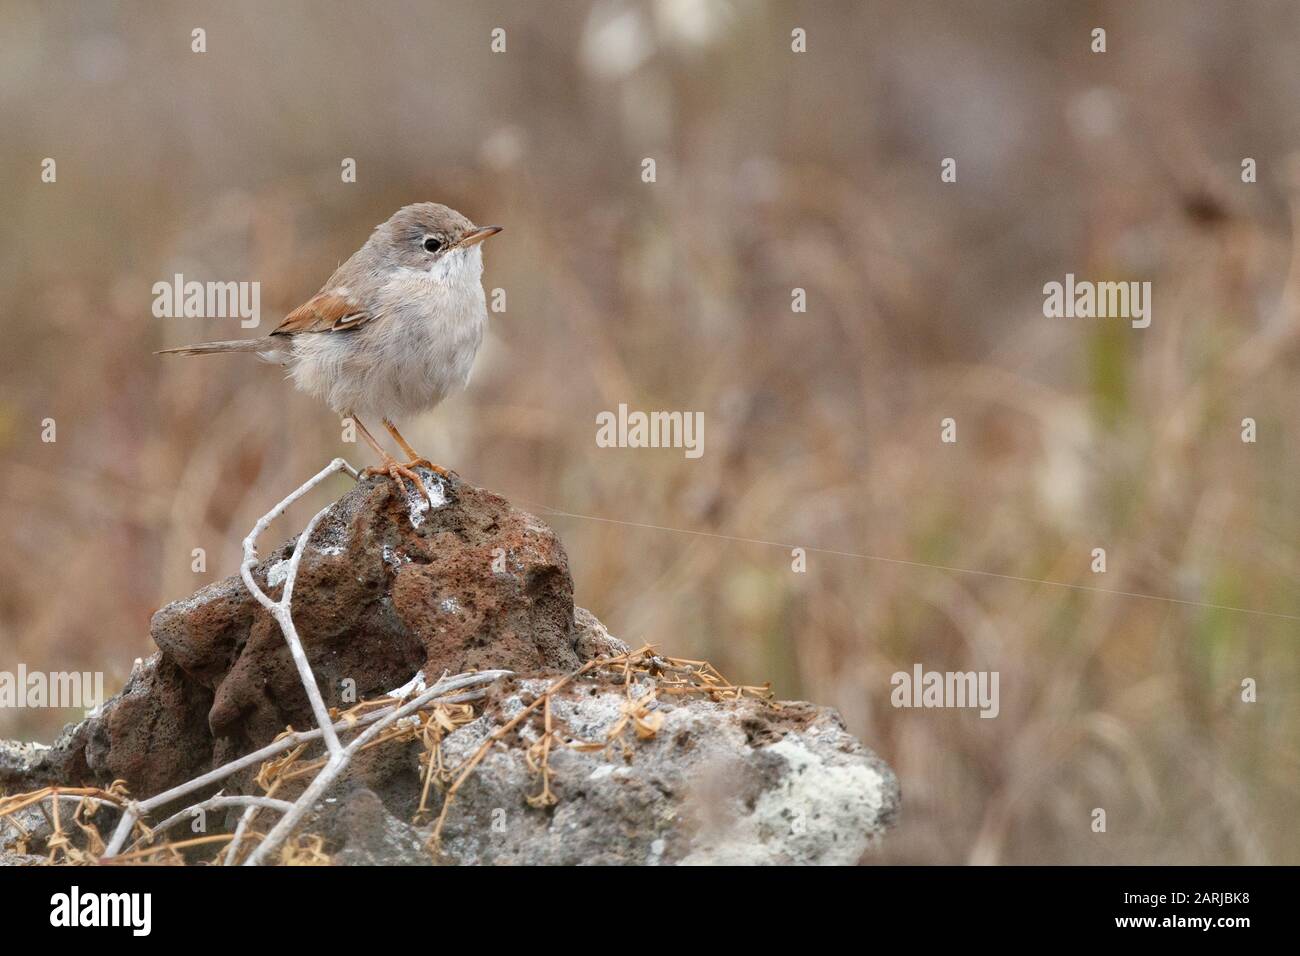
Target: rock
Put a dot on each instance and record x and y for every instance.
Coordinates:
(389, 586)
(385, 588)
(366, 833)
(745, 782)
(592, 640)
(18, 759)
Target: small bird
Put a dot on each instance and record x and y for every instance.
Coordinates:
(394, 330)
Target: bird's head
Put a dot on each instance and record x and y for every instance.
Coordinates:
(430, 237)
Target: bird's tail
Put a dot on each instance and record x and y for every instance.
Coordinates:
(234, 345)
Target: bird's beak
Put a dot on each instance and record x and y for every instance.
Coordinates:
(478, 235)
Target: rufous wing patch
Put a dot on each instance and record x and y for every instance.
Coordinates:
(323, 312)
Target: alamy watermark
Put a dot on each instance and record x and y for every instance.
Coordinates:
(133, 911)
(180, 299)
(635, 429)
(53, 689)
(946, 689)
(1101, 300)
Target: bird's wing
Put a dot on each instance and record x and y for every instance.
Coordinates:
(324, 312)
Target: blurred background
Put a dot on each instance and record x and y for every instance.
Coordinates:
(775, 170)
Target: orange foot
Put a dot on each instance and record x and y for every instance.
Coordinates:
(398, 471)
(436, 469)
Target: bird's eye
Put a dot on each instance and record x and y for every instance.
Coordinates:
(432, 244)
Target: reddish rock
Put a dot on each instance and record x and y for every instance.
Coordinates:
(387, 586)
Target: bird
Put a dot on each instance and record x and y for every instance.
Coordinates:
(393, 331)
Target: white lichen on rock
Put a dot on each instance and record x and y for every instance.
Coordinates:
(812, 814)
(277, 574)
(417, 505)
(719, 782)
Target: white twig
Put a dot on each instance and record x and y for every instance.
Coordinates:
(135, 811)
(232, 851)
(282, 610)
(337, 762)
(77, 798)
(326, 729)
(216, 803)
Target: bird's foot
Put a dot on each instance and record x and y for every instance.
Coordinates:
(398, 472)
(438, 470)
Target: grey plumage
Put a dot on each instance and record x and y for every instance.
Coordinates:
(396, 327)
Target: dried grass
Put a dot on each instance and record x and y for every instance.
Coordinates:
(75, 840)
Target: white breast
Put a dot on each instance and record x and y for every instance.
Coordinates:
(419, 347)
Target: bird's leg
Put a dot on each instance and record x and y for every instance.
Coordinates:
(390, 466)
(416, 457)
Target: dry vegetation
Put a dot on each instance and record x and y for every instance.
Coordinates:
(75, 831)
(775, 171)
